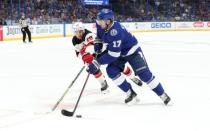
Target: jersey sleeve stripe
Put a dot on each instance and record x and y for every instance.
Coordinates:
(114, 54)
(132, 50)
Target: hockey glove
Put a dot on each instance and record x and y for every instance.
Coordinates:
(87, 58)
(82, 50)
(93, 67)
(98, 45)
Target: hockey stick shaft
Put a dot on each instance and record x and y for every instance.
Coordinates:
(81, 93)
(66, 91)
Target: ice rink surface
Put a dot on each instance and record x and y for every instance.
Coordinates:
(34, 76)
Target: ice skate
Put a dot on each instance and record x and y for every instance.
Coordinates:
(104, 87)
(136, 81)
(131, 97)
(165, 98)
(127, 71)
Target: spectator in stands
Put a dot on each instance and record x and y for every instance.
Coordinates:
(3, 22)
(60, 11)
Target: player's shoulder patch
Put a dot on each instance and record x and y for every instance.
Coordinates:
(113, 32)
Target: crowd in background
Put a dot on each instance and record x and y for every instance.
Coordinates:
(60, 11)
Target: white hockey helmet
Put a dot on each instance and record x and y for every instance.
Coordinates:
(77, 26)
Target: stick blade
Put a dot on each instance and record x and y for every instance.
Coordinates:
(67, 113)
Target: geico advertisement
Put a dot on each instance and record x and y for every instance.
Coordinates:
(36, 30)
(161, 25)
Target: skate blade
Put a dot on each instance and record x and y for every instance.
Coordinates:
(170, 103)
(105, 91)
(133, 102)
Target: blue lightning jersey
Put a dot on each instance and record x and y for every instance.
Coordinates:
(120, 42)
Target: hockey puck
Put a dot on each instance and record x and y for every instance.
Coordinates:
(79, 116)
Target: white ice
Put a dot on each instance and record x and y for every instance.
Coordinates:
(34, 76)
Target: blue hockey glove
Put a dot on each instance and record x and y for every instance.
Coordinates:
(93, 67)
(98, 45)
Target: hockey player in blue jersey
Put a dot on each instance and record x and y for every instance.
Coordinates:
(123, 47)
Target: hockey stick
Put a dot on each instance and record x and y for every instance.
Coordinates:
(58, 102)
(68, 113)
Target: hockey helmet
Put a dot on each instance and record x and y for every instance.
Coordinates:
(77, 26)
(105, 14)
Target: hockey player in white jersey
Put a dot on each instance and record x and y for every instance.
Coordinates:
(83, 42)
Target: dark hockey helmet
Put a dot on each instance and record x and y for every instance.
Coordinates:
(105, 14)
